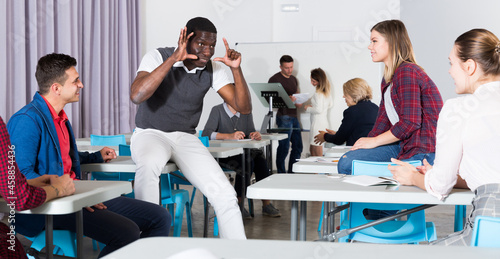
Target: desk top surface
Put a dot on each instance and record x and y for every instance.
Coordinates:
(246, 143)
(337, 151)
(274, 136)
(313, 187)
(154, 247)
(307, 167)
(121, 164)
(87, 193)
(223, 152)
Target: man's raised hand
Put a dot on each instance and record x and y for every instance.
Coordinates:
(232, 58)
(181, 51)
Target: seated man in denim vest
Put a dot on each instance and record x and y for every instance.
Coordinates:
(169, 88)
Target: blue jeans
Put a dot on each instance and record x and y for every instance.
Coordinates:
(378, 154)
(295, 137)
(123, 222)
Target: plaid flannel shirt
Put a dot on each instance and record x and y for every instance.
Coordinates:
(13, 184)
(417, 102)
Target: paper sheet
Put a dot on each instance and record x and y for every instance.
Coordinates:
(301, 98)
(368, 180)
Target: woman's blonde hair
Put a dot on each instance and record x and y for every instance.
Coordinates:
(400, 48)
(323, 84)
(358, 89)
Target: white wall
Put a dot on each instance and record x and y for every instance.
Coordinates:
(434, 25)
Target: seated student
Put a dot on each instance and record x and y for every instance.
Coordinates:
(45, 145)
(358, 119)
(225, 122)
(468, 141)
(27, 194)
(406, 123)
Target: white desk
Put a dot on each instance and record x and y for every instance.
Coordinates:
(240, 143)
(312, 187)
(121, 164)
(224, 152)
(92, 149)
(246, 145)
(126, 164)
(314, 167)
(88, 193)
(337, 151)
(273, 136)
(164, 247)
(269, 149)
(217, 152)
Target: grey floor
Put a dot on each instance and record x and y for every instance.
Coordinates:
(262, 227)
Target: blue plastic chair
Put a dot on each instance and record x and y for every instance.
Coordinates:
(111, 140)
(107, 140)
(180, 198)
(64, 242)
(486, 232)
(412, 230)
(169, 197)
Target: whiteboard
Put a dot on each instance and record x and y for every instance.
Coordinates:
(340, 60)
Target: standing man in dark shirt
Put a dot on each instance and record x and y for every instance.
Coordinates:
(287, 118)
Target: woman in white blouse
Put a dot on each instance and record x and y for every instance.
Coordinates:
(468, 133)
(321, 102)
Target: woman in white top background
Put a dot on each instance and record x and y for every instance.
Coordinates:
(468, 133)
(321, 102)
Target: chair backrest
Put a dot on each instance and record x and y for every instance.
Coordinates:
(486, 232)
(124, 150)
(111, 140)
(375, 168)
(205, 141)
(414, 224)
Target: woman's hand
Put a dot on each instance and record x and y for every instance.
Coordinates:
(403, 172)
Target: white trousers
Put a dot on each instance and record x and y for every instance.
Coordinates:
(151, 149)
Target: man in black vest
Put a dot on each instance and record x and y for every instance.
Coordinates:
(169, 88)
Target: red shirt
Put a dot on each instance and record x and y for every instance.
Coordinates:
(417, 102)
(63, 136)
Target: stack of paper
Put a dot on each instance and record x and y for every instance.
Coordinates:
(368, 180)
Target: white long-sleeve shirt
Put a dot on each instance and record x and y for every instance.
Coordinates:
(467, 142)
(319, 113)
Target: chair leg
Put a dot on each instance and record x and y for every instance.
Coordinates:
(320, 224)
(171, 210)
(188, 219)
(192, 197)
(216, 227)
(179, 213)
(250, 207)
(460, 211)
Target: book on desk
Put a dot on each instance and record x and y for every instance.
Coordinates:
(368, 180)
